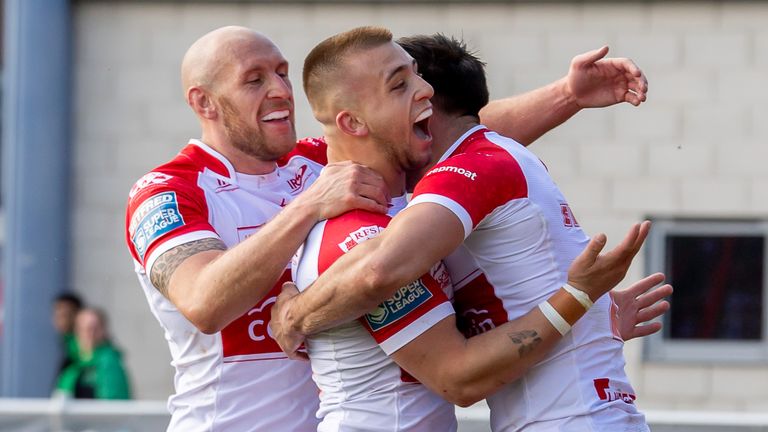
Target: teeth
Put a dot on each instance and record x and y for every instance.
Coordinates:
(425, 114)
(276, 115)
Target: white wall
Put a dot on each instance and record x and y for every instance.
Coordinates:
(698, 147)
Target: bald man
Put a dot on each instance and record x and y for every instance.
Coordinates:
(212, 231)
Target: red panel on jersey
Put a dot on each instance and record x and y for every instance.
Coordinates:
(193, 159)
(249, 336)
(411, 301)
(346, 231)
(311, 148)
(480, 179)
(478, 309)
(164, 204)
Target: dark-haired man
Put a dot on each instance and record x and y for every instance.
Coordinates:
(65, 309)
(486, 192)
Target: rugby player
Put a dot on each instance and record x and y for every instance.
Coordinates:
(360, 387)
(485, 191)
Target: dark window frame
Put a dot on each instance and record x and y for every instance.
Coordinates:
(660, 347)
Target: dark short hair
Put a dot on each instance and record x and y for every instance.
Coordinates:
(456, 74)
(69, 297)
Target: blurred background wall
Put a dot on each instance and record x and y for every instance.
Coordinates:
(697, 149)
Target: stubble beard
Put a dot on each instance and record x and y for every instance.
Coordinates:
(398, 156)
(245, 138)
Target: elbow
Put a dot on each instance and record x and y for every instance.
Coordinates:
(459, 388)
(206, 323)
(202, 317)
(463, 396)
(467, 402)
(208, 327)
(200, 306)
(489, 114)
(467, 391)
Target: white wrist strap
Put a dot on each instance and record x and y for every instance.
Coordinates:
(579, 295)
(554, 317)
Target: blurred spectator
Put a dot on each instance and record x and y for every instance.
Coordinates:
(97, 372)
(65, 308)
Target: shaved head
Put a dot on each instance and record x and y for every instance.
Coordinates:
(215, 53)
(236, 81)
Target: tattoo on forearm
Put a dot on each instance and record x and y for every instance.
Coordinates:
(527, 339)
(166, 264)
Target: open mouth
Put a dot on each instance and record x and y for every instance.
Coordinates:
(421, 125)
(275, 116)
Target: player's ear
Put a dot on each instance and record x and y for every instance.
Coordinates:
(350, 124)
(201, 103)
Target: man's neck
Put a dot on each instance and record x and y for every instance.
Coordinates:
(393, 176)
(446, 129)
(242, 162)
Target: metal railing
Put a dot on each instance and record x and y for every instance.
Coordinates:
(66, 415)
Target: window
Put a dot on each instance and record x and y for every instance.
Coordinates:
(718, 270)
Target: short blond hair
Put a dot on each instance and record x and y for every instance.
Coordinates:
(323, 63)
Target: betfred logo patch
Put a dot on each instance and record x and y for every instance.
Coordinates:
(405, 300)
(156, 216)
(358, 236)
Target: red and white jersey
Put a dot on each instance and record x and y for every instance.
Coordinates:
(523, 237)
(361, 388)
(237, 379)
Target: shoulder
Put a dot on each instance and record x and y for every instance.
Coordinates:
(179, 175)
(491, 171)
(472, 184)
(481, 163)
(156, 183)
(167, 185)
(466, 165)
(314, 149)
(343, 233)
(163, 196)
(163, 205)
(359, 217)
(352, 228)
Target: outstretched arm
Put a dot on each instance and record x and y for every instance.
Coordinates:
(593, 81)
